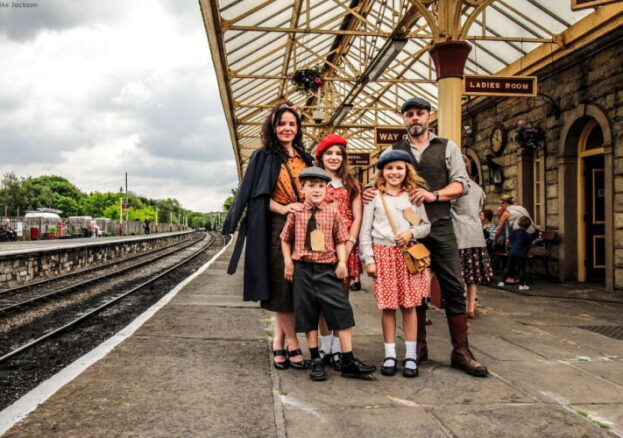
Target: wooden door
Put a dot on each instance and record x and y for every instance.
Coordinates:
(594, 218)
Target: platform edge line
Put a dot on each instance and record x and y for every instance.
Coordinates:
(23, 406)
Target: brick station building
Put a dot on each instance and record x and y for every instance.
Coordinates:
(573, 183)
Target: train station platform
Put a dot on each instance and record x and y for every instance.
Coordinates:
(29, 246)
(201, 367)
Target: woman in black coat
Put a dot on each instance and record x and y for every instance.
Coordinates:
(269, 191)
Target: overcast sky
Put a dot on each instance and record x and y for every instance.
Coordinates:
(90, 89)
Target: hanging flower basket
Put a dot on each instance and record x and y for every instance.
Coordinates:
(529, 137)
(308, 80)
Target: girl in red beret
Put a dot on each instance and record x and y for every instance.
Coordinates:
(345, 191)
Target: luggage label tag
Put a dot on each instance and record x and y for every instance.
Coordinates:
(412, 216)
(317, 240)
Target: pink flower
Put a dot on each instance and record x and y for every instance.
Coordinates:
(318, 80)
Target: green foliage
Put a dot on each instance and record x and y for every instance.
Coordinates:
(22, 194)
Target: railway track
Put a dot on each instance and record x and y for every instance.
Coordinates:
(47, 282)
(16, 298)
(79, 314)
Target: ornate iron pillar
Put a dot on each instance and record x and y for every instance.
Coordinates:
(449, 58)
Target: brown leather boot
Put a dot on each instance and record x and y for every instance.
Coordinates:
(462, 357)
(421, 349)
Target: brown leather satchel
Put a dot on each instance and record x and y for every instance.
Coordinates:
(416, 257)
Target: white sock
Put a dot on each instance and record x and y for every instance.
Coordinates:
(335, 345)
(410, 347)
(325, 344)
(390, 351)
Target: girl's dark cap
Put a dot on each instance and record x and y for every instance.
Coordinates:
(393, 155)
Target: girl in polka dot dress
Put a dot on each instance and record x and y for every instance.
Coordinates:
(394, 286)
(345, 192)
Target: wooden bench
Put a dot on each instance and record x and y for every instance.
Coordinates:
(542, 250)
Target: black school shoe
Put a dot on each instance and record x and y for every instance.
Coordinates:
(356, 369)
(336, 361)
(355, 286)
(316, 372)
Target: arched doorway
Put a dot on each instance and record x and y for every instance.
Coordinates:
(591, 204)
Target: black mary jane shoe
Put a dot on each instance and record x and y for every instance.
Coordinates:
(356, 286)
(301, 364)
(409, 372)
(389, 370)
(336, 361)
(281, 365)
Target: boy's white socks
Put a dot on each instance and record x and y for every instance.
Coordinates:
(335, 345)
(410, 347)
(325, 344)
(390, 351)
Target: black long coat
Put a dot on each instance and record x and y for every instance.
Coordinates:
(258, 184)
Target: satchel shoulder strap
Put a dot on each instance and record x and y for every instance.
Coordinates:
(389, 217)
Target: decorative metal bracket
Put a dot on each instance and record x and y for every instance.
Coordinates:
(555, 107)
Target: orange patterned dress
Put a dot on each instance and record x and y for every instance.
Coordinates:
(338, 194)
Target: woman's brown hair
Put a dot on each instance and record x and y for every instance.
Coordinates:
(344, 173)
(270, 142)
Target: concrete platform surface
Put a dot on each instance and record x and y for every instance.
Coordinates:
(201, 367)
(25, 247)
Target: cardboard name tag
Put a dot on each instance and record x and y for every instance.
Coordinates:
(317, 240)
(412, 216)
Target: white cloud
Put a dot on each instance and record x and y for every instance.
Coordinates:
(94, 95)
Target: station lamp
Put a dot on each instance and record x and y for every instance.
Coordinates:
(385, 57)
(341, 112)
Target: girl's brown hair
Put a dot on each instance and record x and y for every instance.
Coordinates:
(411, 182)
(344, 173)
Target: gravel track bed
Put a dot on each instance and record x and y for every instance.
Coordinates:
(30, 323)
(22, 373)
(8, 297)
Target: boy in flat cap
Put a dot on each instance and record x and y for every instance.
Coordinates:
(313, 241)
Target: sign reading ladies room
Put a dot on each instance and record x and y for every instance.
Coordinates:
(583, 4)
(500, 85)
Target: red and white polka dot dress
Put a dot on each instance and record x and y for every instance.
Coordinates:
(394, 285)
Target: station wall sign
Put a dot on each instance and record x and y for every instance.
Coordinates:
(500, 85)
(389, 134)
(583, 4)
(358, 159)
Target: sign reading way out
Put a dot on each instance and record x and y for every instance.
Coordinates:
(500, 85)
(389, 134)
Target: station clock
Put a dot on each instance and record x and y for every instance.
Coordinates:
(498, 139)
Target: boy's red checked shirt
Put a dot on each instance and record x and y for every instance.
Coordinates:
(328, 221)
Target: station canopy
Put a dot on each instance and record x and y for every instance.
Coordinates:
(372, 56)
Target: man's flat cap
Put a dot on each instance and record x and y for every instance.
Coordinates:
(393, 155)
(314, 173)
(415, 102)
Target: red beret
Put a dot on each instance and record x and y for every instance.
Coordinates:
(327, 142)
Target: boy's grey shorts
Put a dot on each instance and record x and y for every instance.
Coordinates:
(317, 289)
